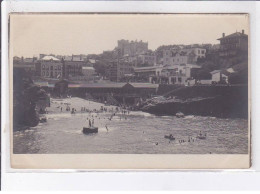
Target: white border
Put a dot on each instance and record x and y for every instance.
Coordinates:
(132, 180)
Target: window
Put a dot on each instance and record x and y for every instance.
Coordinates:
(43, 66)
(199, 51)
(43, 73)
(172, 60)
(58, 67)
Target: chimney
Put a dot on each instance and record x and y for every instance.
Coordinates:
(223, 35)
(243, 31)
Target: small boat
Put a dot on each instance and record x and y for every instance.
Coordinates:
(88, 130)
(179, 115)
(170, 137)
(200, 136)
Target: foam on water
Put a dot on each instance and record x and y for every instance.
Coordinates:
(62, 133)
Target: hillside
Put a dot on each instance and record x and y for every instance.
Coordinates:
(213, 61)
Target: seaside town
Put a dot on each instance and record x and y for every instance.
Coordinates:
(131, 92)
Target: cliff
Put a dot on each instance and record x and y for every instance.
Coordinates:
(25, 96)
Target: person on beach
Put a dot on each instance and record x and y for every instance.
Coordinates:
(106, 128)
(89, 122)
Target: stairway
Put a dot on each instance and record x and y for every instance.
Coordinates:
(111, 100)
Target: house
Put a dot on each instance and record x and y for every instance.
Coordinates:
(231, 45)
(88, 72)
(219, 76)
(182, 56)
(148, 58)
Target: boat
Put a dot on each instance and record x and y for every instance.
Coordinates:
(170, 137)
(88, 130)
(179, 115)
(200, 136)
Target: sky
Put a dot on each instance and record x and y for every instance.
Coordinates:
(66, 34)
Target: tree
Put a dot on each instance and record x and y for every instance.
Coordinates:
(239, 77)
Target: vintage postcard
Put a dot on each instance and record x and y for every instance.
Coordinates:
(130, 91)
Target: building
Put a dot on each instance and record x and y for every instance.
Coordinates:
(51, 67)
(90, 62)
(184, 56)
(118, 69)
(232, 44)
(131, 48)
(147, 58)
(197, 51)
(28, 64)
(115, 93)
(219, 76)
(89, 73)
(112, 71)
(146, 72)
(73, 68)
(178, 74)
(79, 57)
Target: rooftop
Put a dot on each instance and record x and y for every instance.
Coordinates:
(88, 68)
(147, 68)
(236, 34)
(48, 58)
(215, 71)
(112, 85)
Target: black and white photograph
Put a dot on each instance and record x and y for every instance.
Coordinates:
(130, 84)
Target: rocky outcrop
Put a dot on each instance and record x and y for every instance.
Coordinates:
(217, 101)
(25, 97)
